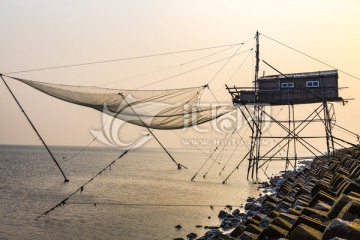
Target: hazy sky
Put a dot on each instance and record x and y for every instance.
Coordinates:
(37, 34)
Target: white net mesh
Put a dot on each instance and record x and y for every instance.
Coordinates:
(158, 109)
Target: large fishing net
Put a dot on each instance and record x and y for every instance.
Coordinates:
(158, 109)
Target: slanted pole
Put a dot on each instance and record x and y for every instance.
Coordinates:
(35, 130)
(327, 123)
(145, 125)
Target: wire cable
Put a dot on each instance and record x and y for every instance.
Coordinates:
(166, 68)
(307, 55)
(120, 59)
(191, 70)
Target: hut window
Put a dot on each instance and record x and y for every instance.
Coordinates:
(287, 85)
(312, 84)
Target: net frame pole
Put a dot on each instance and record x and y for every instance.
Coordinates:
(35, 130)
(179, 166)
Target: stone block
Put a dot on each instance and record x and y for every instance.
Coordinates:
(303, 231)
(350, 212)
(355, 195)
(350, 187)
(315, 214)
(342, 229)
(293, 211)
(272, 232)
(322, 196)
(248, 236)
(283, 206)
(237, 231)
(338, 206)
(311, 222)
(288, 217)
(299, 203)
(252, 228)
(322, 206)
(281, 223)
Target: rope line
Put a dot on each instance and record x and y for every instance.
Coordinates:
(347, 131)
(121, 59)
(240, 66)
(223, 66)
(307, 55)
(219, 154)
(191, 70)
(151, 132)
(81, 188)
(230, 157)
(228, 118)
(167, 68)
(93, 140)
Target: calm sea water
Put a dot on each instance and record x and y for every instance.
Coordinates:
(30, 184)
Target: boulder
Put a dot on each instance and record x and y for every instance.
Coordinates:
(223, 214)
(191, 235)
(211, 227)
(265, 222)
(212, 234)
(235, 212)
(252, 206)
(229, 223)
(267, 207)
(250, 199)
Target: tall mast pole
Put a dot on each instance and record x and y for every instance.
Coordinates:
(257, 62)
(256, 129)
(258, 112)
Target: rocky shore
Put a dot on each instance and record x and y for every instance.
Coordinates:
(319, 201)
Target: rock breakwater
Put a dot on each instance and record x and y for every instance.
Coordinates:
(319, 201)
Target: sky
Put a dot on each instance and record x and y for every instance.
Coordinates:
(39, 34)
